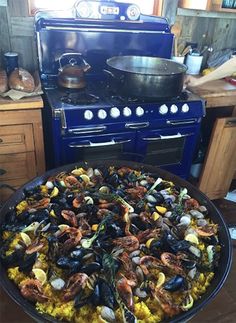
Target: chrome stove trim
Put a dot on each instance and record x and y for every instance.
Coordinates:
(98, 144)
(84, 130)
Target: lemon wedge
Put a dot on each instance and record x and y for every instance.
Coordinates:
(63, 227)
(161, 209)
(40, 275)
(78, 171)
(148, 243)
(192, 238)
(26, 239)
(54, 192)
(161, 280)
(85, 178)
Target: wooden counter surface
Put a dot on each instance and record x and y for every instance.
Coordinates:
(35, 102)
(217, 93)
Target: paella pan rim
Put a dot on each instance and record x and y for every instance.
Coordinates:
(224, 237)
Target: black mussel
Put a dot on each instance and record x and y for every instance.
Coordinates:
(114, 230)
(29, 192)
(91, 268)
(68, 263)
(120, 192)
(107, 296)
(177, 245)
(56, 208)
(96, 296)
(53, 247)
(61, 201)
(174, 283)
(13, 259)
(140, 224)
(24, 216)
(26, 263)
(78, 253)
(39, 215)
(113, 180)
(159, 198)
(188, 264)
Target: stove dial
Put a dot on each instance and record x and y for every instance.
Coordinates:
(115, 112)
(102, 114)
(127, 112)
(174, 108)
(163, 109)
(185, 108)
(139, 111)
(88, 115)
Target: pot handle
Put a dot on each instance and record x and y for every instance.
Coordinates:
(73, 61)
(121, 78)
(109, 73)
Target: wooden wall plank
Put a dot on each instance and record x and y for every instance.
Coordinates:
(22, 27)
(5, 43)
(26, 48)
(18, 8)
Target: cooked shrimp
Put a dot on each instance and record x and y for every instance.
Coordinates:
(129, 243)
(31, 289)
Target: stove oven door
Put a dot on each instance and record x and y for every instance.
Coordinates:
(99, 147)
(171, 149)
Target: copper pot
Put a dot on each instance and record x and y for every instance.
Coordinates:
(71, 75)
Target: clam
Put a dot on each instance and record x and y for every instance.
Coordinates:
(58, 283)
(140, 293)
(108, 314)
(196, 214)
(88, 200)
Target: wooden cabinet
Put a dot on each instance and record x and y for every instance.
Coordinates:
(219, 168)
(21, 142)
(220, 164)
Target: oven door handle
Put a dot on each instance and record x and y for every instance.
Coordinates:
(181, 122)
(137, 125)
(98, 144)
(84, 130)
(161, 137)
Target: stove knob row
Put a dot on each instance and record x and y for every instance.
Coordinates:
(163, 109)
(114, 112)
(174, 108)
(185, 108)
(127, 112)
(139, 111)
(102, 114)
(88, 115)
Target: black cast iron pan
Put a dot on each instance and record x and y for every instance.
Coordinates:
(224, 237)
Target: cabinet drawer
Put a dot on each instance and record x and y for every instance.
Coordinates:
(16, 139)
(18, 166)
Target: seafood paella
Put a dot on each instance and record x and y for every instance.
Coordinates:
(110, 244)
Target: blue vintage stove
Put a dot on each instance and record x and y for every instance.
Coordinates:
(96, 122)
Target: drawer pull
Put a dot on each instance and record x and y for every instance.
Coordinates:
(2, 171)
(1, 140)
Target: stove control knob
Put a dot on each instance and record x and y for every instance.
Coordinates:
(163, 109)
(102, 114)
(174, 108)
(127, 112)
(139, 111)
(88, 115)
(115, 112)
(185, 108)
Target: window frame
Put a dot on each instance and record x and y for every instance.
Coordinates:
(157, 7)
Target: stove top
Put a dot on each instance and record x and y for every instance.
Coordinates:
(99, 93)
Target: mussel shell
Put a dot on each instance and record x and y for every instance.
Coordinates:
(68, 263)
(107, 296)
(89, 269)
(26, 263)
(174, 283)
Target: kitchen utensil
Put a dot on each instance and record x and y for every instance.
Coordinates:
(186, 50)
(178, 59)
(11, 62)
(194, 63)
(72, 75)
(206, 48)
(176, 30)
(143, 76)
(224, 237)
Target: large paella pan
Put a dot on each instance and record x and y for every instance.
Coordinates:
(112, 242)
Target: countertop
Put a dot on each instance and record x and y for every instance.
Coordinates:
(35, 102)
(217, 93)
